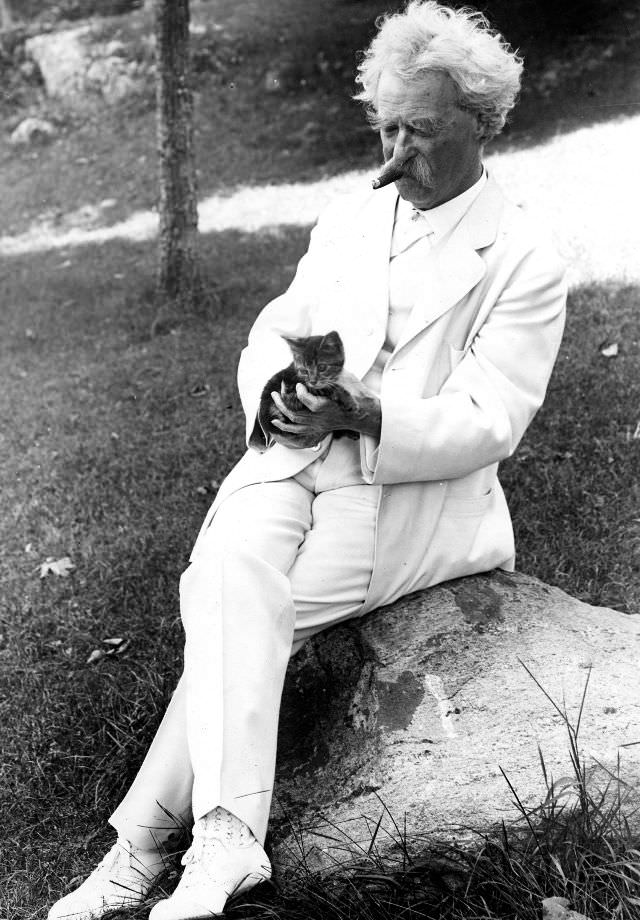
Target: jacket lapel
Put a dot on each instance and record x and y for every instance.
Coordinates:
(368, 306)
(453, 266)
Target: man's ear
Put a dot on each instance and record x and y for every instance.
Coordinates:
(481, 130)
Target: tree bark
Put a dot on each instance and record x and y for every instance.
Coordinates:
(6, 17)
(178, 278)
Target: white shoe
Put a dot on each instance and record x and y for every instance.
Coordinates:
(122, 879)
(216, 867)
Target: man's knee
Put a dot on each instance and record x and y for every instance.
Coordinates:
(236, 582)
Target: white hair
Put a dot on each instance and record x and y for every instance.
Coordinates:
(428, 37)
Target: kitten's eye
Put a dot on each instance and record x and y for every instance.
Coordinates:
(322, 368)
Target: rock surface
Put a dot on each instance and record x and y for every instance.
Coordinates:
(32, 131)
(558, 909)
(413, 714)
(63, 60)
(76, 66)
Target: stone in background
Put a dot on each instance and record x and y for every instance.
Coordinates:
(76, 65)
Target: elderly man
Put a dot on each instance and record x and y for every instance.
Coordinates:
(450, 305)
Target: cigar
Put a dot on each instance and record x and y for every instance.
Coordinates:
(393, 169)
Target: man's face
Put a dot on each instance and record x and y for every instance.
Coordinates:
(423, 123)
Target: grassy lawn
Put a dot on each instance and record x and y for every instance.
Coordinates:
(573, 485)
(112, 444)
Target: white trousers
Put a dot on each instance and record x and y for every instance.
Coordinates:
(280, 562)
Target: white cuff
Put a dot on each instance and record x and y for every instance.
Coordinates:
(369, 448)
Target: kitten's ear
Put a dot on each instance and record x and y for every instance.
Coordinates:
(333, 341)
(295, 344)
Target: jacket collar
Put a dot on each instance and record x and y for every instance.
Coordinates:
(478, 226)
(455, 269)
(454, 266)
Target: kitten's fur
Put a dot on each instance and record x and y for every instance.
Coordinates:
(318, 361)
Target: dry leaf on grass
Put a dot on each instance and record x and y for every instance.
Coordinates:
(60, 567)
(200, 389)
(610, 351)
(117, 646)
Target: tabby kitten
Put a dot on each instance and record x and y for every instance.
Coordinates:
(318, 361)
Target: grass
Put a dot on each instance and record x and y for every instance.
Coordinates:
(113, 444)
(573, 486)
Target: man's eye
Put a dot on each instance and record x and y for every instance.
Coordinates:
(425, 130)
(389, 129)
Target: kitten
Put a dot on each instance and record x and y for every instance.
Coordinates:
(318, 361)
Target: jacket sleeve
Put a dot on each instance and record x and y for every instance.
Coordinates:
(485, 405)
(289, 314)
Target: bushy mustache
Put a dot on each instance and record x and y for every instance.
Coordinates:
(396, 169)
(416, 168)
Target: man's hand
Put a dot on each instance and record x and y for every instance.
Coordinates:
(308, 428)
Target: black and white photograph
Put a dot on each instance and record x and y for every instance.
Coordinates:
(319, 460)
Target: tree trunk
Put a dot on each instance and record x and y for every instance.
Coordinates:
(178, 280)
(6, 18)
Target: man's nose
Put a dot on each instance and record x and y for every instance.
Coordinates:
(404, 147)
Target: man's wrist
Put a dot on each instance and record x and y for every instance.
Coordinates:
(369, 420)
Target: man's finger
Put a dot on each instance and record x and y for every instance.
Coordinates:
(308, 400)
(292, 428)
(280, 405)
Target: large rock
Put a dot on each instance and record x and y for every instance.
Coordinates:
(63, 59)
(415, 712)
(32, 131)
(76, 66)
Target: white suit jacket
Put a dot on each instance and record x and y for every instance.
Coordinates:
(466, 378)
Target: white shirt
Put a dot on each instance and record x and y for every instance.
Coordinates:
(415, 233)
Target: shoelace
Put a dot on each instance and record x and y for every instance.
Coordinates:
(199, 849)
(219, 830)
(109, 866)
(227, 827)
(111, 861)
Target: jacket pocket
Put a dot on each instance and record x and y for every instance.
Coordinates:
(462, 505)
